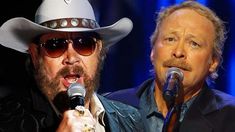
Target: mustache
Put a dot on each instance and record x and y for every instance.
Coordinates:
(177, 63)
(68, 69)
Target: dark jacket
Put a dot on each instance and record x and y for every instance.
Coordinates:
(34, 114)
(211, 111)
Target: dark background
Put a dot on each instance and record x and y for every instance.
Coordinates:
(127, 63)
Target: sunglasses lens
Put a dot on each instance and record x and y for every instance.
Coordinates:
(55, 47)
(84, 45)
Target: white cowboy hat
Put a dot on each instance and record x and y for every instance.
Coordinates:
(60, 16)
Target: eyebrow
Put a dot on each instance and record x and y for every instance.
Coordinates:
(194, 36)
(172, 32)
(177, 34)
(191, 36)
(188, 35)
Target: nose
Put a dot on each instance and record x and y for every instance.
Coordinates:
(71, 56)
(179, 51)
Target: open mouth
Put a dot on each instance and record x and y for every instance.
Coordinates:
(72, 78)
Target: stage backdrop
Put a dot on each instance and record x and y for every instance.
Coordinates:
(127, 63)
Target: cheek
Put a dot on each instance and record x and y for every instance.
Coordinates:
(90, 65)
(200, 66)
(200, 61)
(94, 65)
(160, 54)
(52, 66)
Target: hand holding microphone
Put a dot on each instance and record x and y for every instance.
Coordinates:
(78, 119)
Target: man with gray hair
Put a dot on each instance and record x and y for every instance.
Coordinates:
(186, 53)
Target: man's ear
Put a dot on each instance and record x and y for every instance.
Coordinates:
(33, 51)
(214, 64)
(99, 48)
(100, 45)
(152, 54)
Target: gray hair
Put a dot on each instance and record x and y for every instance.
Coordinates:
(220, 30)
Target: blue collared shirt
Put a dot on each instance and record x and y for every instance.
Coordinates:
(153, 118)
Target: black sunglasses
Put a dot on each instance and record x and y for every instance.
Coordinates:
(84, 45)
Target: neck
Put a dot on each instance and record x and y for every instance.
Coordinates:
(87, 104)
(161, 104)
(193, 91)
(184, 96)
(187, 94)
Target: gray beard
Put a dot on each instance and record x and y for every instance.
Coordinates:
(51, 89)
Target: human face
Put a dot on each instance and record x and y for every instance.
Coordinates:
(185, 40)
(56, 74)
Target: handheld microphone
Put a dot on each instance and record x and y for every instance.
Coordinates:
(174, 78)
(76, 93)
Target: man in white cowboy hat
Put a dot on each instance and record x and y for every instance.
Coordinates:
(66, 47)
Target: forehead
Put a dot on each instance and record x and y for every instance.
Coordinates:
(67, 35)
(188, 19)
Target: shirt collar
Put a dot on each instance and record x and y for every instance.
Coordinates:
(97, 109)
(185, 106)
(151, 106)
(149, 101)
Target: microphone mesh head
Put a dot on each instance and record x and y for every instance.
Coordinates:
(175, 70)
(76, 89)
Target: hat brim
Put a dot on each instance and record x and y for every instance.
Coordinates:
(17, 33)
